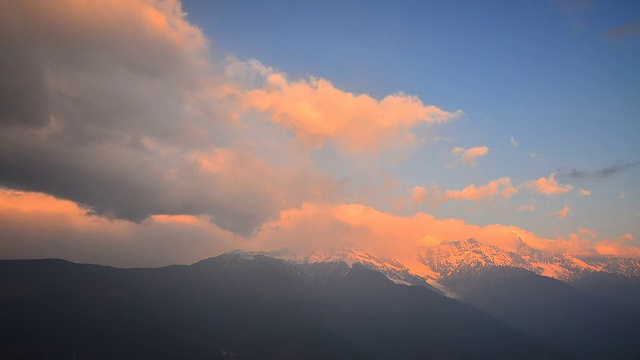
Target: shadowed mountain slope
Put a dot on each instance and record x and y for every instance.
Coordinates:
(243, 306)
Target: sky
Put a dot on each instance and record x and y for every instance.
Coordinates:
(146, 133)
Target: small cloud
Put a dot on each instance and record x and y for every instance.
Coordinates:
(548, 186)
(591, 233)
(529, 207)
(622, 196)
(562, 213)
(468, 156)
(624, 32)
(535, 156)
(498, 189)
(584, 192)
(513, 141)
(419, 195)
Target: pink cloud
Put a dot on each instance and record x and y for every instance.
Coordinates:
(562, 213)
(419, 195)
(548, 186)
(584, 192)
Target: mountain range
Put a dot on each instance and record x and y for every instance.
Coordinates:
(475, 301)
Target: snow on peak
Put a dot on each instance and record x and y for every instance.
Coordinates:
(452, 256)
(390, 267)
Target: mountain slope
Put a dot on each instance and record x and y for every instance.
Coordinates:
(552, 311)
(559, 266)
(239, 305)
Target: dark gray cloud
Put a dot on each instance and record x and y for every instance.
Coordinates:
(601, 173)
(114, 107)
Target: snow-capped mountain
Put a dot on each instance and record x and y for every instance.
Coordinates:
(391, 268)
(559, 266)
(454, 256)
(624, 266)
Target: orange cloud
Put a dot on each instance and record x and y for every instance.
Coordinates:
(562, 213)
(37, 225)
(314, 227)
(318, 113)
(419, 195)
(584, 192)
(501, 188)
(548, 186)
(468, 156)
(617, 247)
(495, 189)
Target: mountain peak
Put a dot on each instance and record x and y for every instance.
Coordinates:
(453, 256)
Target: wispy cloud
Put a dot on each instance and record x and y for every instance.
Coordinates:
(468, 157)
(624, 32)
(529, 207)
(584, 192)
(513, 141)
(562, 213)
(600, 173)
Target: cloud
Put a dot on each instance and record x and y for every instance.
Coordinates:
(601, 173)
(584, 192)
(318, 113)
(419, 195)
(548, 186)
(562, 213)
(493, 190)
(37, 225)
(468, 156)
(624, 32)
(622, 196)
(529, 207)
(617, 247)
(513, 141)
(501, 188)
(115, 106)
